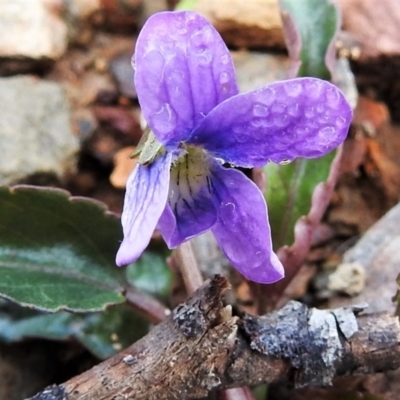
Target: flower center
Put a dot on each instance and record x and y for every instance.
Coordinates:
(189, 174)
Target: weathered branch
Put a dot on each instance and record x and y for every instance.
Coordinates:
(202, 347)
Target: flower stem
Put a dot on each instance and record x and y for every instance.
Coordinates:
(187, 264)
(242, 393)
(146, 305)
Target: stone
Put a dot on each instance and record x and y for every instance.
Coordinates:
(122, 71)
(348, 278)
(256, 69)
(32, 29)
(250, 24)
(82, 9)
(35, 129)
(150, 7)
(378, 253)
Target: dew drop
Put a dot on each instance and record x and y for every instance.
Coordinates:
(309, 112)
(332, 97)
(228, 214)
(223, 78)
(301, 130)
(176, 77)
(242, 138)
(224, 59)
(278, 108)
(240, 133)
(293, 89)
(313, 90)
(203, 56)
(327, 131)
(260, 110)
(293, 110)
(258, 123)
(268, 97)
(165, 119)
(182, 30)
(285, 161)
(341, 122)
(281, 120)
(323, 119)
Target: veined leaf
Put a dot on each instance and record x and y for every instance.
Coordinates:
(289, 193)
(57, 252)
(151, 274)
(310, 27)
(102, 333)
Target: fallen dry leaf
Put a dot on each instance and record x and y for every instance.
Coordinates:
(375, 24)
(123, 166)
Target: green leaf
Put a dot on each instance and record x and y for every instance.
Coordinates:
(310, 27)
(151, 274)
(57, 252)
(102, 333)
(289, 192)
(185, 5)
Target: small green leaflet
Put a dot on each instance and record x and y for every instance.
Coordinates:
(310, 27)
(148, 148)
(289, 193)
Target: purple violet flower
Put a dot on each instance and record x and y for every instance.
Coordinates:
(187, 90)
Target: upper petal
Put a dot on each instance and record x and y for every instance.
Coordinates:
(242, 230)
(190, 209)
(145, 198)
(183, 70)
(303, 117)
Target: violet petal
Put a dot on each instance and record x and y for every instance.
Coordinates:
(242, 230)
(183, 70)
(190, 209)
(303, 117)
(145, 198)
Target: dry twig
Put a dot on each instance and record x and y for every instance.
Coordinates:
(201, 347)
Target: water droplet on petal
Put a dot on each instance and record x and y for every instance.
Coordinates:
(165, 119)
(242, 138)
(182, 30)
(223, 78)
(293, 110)
(293, 89)
(323, 119)
(314, 89)
(281, 120)
(203, 56)
(175, 79)
(268, 97)
(341, 122)
(260, 110)
(225, 59)
(228, 214)
(332, 97)
(278, 108)
(309, 112)
(240, 133)
(327, 131)
(285, 161)
(301, 130)
(258, 123)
